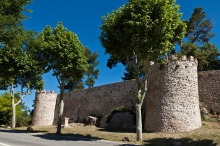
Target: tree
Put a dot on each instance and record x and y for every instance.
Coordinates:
(198, 29)
(16, 65)
(91, 73)
(197, 44)
(139, 31)
(18, 69)
(65, 55)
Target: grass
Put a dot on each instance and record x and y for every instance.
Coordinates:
(207, 135)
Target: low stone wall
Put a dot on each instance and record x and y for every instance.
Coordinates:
(209, 90)
(98, 101)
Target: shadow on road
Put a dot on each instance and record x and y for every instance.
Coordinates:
(183, 141)
(66, 137)
(57, 137)
(19, 131)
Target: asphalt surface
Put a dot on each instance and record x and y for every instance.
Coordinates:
(23, 138)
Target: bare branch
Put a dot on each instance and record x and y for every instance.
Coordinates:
(19, 101)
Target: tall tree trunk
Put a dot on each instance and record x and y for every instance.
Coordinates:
(138, 122)
(13, 106)
(59, 121)
(142, 89)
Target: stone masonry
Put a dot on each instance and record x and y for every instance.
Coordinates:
(172, 103)
(97, 101)
(209, 86)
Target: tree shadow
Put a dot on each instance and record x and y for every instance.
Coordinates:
(128, 145)
(118, 130)
(20, 131)
(183, 141)
(50, 136)
(66, 137)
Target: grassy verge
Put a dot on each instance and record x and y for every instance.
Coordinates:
(207, 135)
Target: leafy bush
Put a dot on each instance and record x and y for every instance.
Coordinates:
(22, 111)
(23, 119)
(114, 111)
(117, 110)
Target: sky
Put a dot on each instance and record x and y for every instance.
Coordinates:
(83, 17)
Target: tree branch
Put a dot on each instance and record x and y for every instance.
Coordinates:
(56, 77)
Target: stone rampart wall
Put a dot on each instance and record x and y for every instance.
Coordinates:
(209, 89)
(97, 101)
(175, 84)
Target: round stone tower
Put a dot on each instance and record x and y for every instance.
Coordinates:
(172, 101)
(44, 108)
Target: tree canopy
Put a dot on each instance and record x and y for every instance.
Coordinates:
(138, 31)
(196, 43)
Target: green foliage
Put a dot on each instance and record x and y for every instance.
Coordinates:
(121, 109)
(11, 14)
(207, 55)
(203, 118)
(23, 119)
(5, 108)
(138, 30)
(17, 65)
(198, 29)
(144, 27)
(89, 76)
(63, 53)
(91, 73)
(114, 111)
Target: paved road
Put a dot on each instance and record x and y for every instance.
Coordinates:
(19, 138)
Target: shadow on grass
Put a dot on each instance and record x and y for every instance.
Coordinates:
(183, 141)
(118, 130)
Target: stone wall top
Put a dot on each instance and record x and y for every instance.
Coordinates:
(182, 59)
(45, 91)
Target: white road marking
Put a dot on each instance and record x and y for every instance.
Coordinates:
(2, 144)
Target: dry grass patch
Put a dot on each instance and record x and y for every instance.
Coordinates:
(207, 135)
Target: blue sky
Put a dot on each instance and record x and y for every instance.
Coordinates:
(84, 18)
